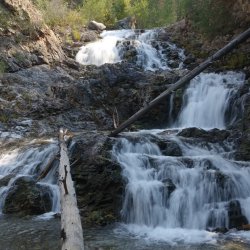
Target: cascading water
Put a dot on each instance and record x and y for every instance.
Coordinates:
(142, 48)
(207, 98)
(28, 162)
(181, 196)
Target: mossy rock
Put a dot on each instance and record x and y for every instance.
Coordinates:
(26, 197)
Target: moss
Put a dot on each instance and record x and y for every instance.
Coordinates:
(3, 67)
(237, 60)
(98, 218)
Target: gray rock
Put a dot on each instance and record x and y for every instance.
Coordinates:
(93, 25)
(126, 23)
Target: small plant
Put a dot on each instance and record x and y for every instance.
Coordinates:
(76, 35)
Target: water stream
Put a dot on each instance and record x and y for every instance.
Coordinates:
(29, 160)
(142, 48)
(174, 199)
(183, 198)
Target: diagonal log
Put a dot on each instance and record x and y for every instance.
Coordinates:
(71, 228)
(184, 80)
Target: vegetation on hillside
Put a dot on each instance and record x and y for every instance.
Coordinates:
(209, 16)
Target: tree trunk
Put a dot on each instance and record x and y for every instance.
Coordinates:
(71, 228)
(184, 80)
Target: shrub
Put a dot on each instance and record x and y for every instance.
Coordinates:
(211, 17)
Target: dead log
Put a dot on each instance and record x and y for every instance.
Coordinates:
(71, 228)
(184, 80)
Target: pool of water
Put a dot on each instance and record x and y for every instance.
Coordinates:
(32, 233)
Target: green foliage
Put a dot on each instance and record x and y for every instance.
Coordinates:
(4, 17)
(211, 17)
(58, 13)
(76, 35)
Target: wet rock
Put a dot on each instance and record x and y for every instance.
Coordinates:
(97, 178)
(222, 230)
(236, 219)
(189, 59)
(242, 152)
(213, 135)
(27, 198)
(168, 148)
(5, 180)
(169, 186)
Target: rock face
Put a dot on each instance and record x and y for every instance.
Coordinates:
(30, 41)
(98, 181)
(27, 198)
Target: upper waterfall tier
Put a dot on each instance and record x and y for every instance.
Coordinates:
(142, 48)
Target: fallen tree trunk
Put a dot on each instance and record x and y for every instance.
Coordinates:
(184, 80)
(71, 228)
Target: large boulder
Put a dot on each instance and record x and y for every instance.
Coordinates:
(93, 25)
(27, 198)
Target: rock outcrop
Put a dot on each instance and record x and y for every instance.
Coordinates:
(27, 198)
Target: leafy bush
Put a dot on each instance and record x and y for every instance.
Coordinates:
(211, 17)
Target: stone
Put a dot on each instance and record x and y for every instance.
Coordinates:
(5, 180)
(93, 25)
(213, 135)
(126, 23)
(25, 197)
(169, 187)
(236, 219)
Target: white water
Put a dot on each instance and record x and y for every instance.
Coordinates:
(177, 199)
(114, 45)
(29, 160)
(207, 98)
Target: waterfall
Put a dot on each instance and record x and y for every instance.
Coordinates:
(179, 190)
(144, 49)
(207, 98)
(28, 161)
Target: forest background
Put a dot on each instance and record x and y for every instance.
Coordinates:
(210, 17)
